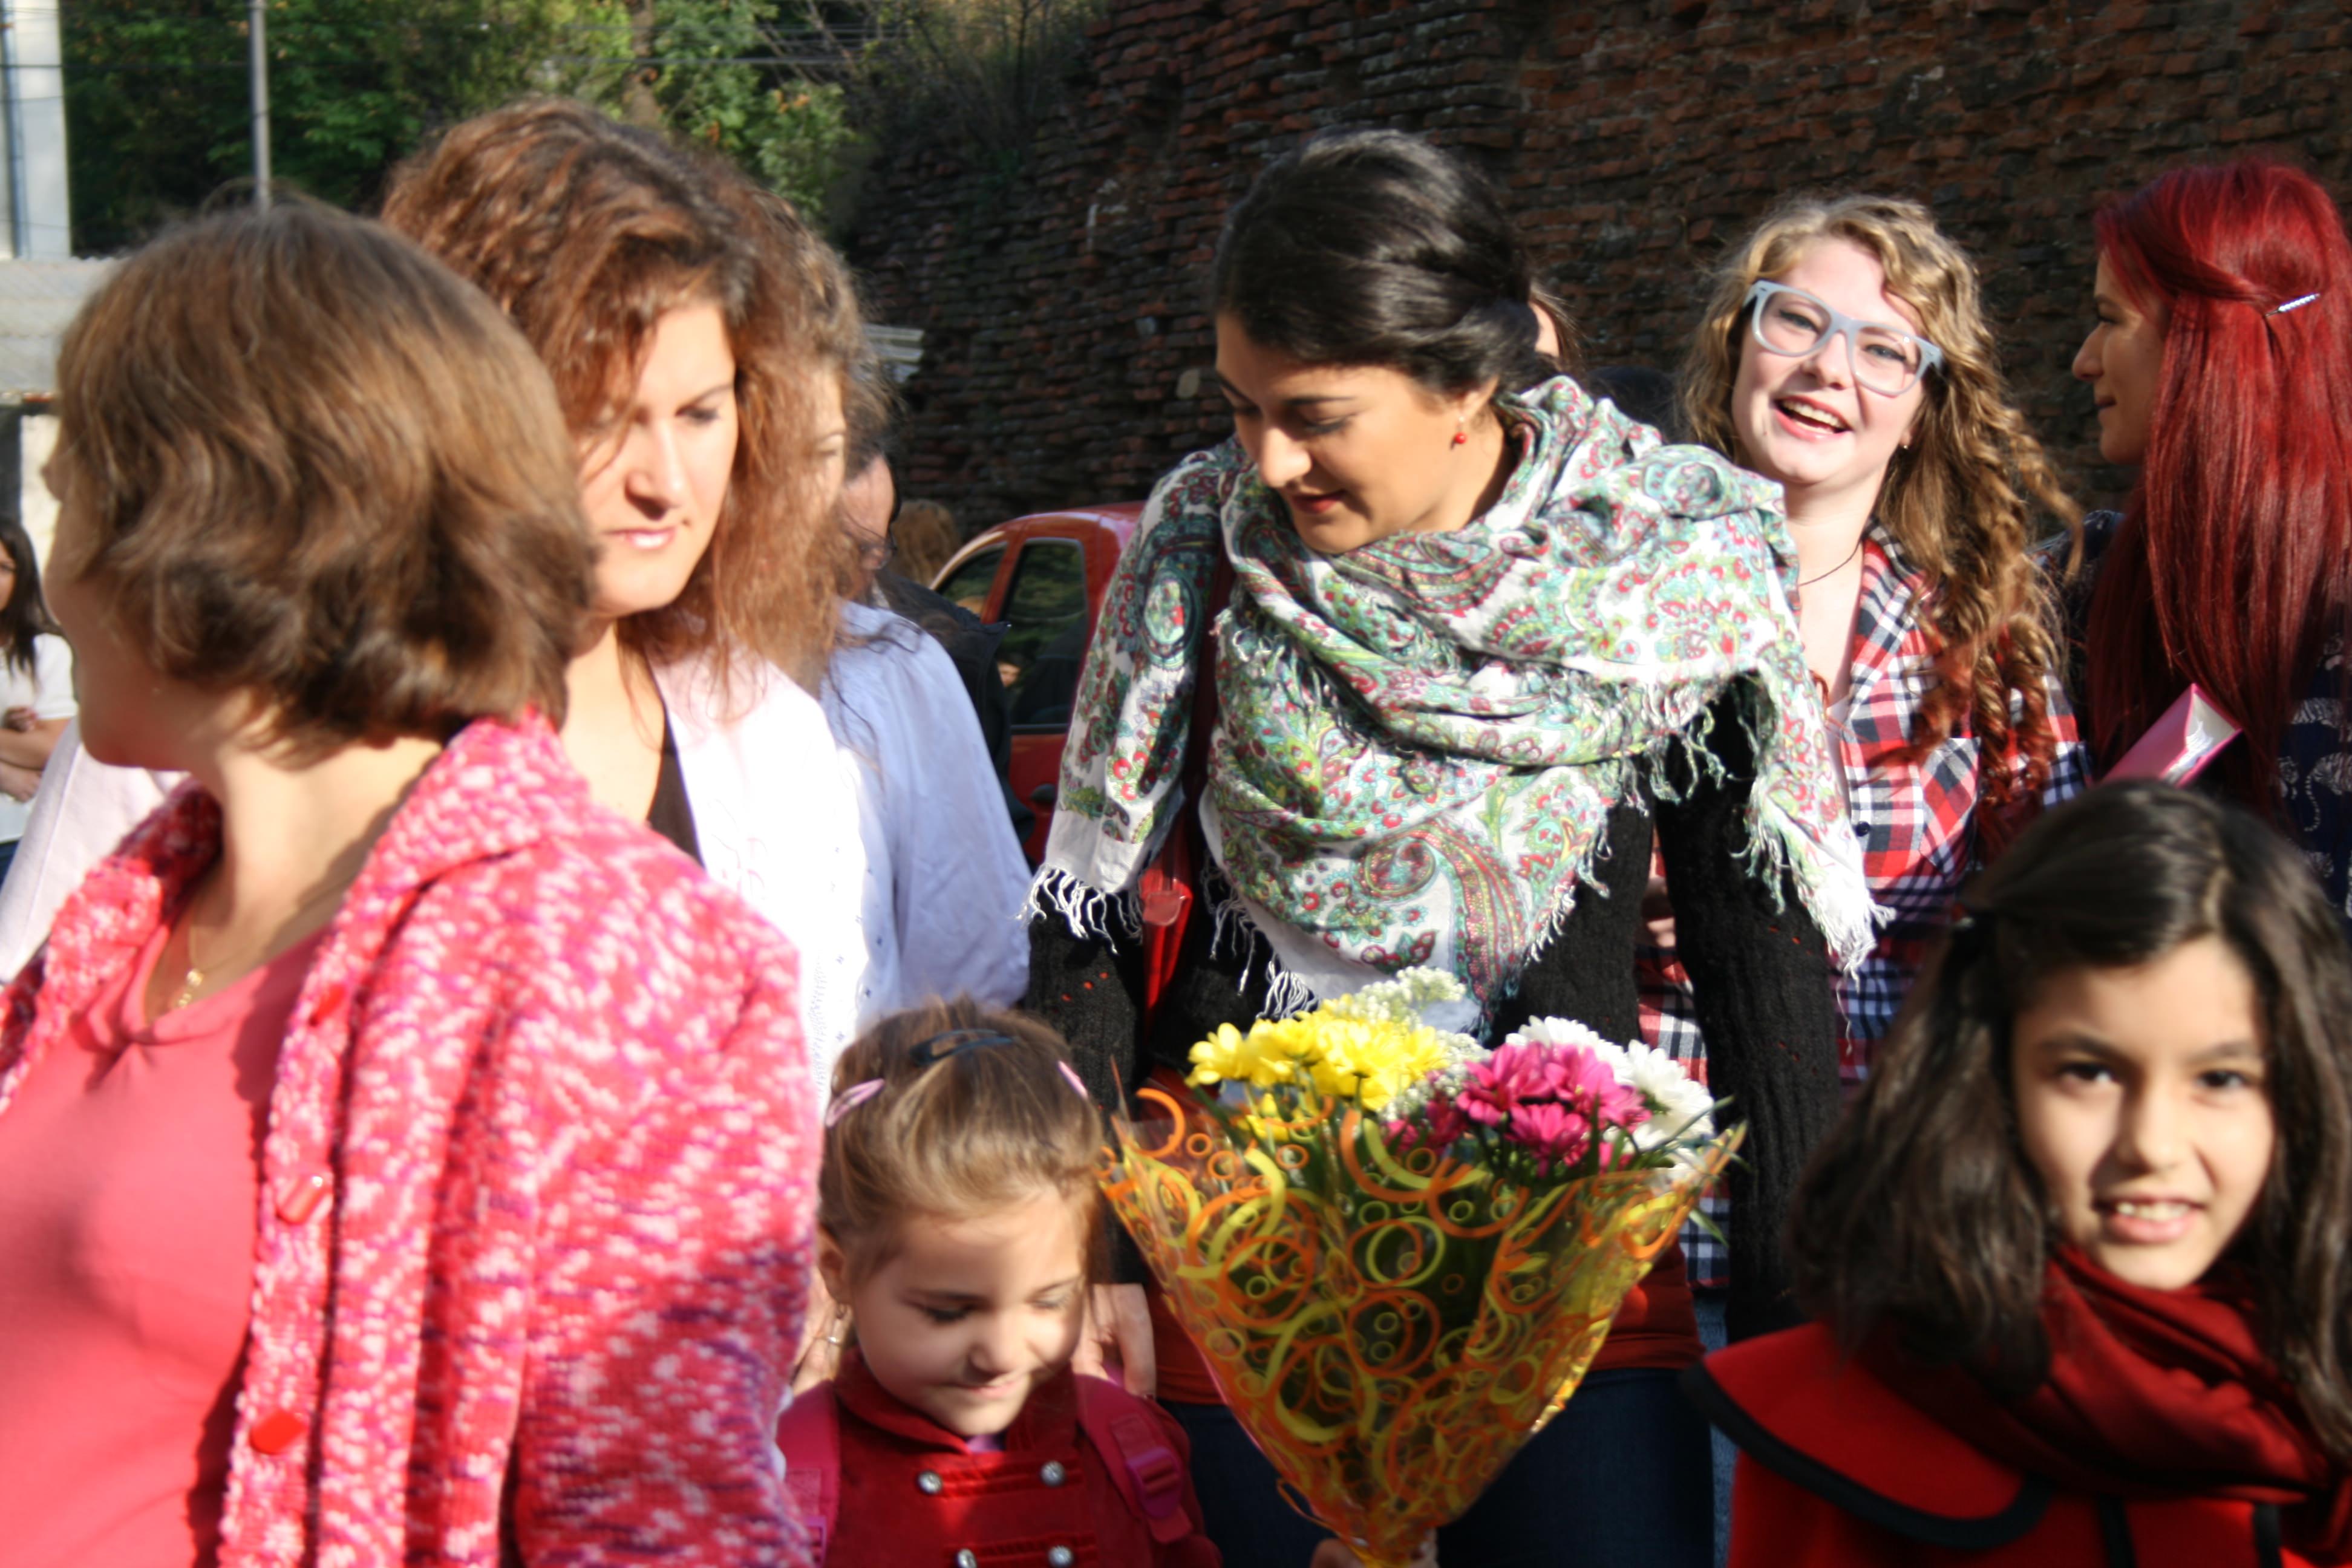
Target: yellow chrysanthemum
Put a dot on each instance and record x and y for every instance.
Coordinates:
(1230, 1055)
(1376, 1060)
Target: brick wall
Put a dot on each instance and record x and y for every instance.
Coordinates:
(1060, 298)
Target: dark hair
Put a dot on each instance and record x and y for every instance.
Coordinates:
(26, 615)
(1373, 248)
(304, 461)
(2243, 515)
(1921, 1212)
(587, 231)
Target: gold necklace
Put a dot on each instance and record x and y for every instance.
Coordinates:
(193, 981)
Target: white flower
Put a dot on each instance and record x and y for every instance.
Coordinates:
(1680, 1109)
(1566, 1032)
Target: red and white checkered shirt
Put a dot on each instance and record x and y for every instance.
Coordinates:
(1917, 821)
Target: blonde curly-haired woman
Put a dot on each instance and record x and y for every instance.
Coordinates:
(1844, 354)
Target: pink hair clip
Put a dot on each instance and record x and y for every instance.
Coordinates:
(1075, 1080)
(850, 1098)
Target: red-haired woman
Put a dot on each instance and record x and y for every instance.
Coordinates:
(2221, 364)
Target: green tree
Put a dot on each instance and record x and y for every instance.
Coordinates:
(729, 75)
(156, 91)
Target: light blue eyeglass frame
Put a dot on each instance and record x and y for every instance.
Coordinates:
(1841, 325)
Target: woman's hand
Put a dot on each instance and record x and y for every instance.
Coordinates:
(820, 1356)
(1115, 1340)
(1335, 1555)
(18, 783)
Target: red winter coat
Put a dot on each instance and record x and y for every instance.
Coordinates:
(1088, 1474)
(1837, 1470)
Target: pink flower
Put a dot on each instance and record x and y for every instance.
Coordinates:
(1551, 1131)
(1446, 1125)
(1589, 1085)
(1512, 1076)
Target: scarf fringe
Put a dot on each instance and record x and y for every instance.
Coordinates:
(1085, 911)
(1233, 931)
(1835, 892)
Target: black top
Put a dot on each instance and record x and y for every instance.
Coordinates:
(2313, 798)
(1759, 966)
(671, 813)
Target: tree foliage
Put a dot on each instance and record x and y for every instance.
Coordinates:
(156, 91)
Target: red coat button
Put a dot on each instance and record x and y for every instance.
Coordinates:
(300, 1196)
(330, 1003)
(277, 1432)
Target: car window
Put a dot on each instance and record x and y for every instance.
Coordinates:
(968, 584)
(1046, 636)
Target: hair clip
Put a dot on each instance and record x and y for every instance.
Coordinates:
(1070, 1074)
(955, 1042)
(850, 1098)
(2291, 305)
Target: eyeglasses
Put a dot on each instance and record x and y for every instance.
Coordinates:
(1886, 360)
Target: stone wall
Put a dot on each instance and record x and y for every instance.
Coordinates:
(1058, 290)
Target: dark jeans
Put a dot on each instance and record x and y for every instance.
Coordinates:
(1622, 1475)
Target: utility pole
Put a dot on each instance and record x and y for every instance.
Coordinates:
(258, 55)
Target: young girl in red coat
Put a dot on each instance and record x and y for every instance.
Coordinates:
(2081, 1252)
(957, 1214)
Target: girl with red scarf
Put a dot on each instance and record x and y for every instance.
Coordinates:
(2079, 1254)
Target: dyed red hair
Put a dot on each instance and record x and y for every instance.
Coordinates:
(2233, 564)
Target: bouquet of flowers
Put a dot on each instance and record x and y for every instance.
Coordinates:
(1399, 1251)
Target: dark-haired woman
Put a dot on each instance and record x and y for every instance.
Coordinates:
(403, 1157)
(1461, 614)
(2221, 369)
(2080, 1256)
(36, 699)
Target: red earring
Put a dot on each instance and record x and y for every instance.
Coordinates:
(1461, 437)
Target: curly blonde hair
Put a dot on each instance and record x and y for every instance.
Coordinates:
(1959, 499)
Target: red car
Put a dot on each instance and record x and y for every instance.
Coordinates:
(1044, 576)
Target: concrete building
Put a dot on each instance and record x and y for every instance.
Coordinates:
(33, 132)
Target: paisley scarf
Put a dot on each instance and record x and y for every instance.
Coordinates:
(1417, 742)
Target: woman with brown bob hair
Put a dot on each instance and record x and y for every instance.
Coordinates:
(335, 1109)
(2079, 1254)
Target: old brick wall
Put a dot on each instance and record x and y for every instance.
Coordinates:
(1059, 294)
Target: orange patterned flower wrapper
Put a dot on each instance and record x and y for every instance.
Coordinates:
(1389, 1323)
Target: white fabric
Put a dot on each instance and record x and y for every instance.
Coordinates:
(945, 878)
(79, 813)
(48, 690)
(780, 827)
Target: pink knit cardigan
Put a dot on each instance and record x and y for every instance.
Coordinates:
(535, 1191)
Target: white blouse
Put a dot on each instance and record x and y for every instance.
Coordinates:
(944, 877)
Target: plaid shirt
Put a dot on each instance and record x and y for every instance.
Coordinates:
(1917, 821)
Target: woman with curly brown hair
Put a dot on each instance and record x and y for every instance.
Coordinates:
(702, 339)
(706, 345)
(1844, 354)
